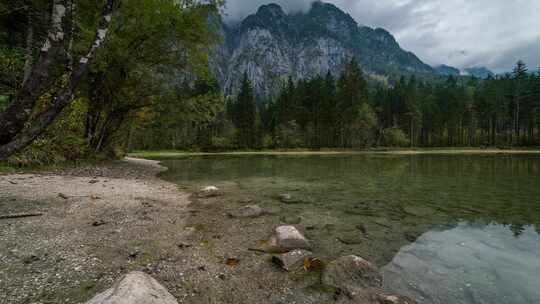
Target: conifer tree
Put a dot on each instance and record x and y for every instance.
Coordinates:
(246, 115)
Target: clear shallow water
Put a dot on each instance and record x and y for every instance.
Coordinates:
(445, 229)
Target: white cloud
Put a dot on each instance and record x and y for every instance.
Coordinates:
(462, 33)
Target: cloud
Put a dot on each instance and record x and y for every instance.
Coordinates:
(461, 33)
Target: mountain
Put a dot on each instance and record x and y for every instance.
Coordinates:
(271, 45)
(446, 70)
(479, 72)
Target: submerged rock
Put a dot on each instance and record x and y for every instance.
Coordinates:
(209, 191)
(292, 260)
(351, 238)
(247, 212)
(289, 199)
(393, 299)
(352, 275)
(135, 288)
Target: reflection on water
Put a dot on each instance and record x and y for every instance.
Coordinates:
(469, 264)
(405, 209)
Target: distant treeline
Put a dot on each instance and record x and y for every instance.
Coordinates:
(346, 112)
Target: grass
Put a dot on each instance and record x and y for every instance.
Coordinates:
(396, 151)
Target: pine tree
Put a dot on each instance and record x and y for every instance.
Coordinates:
(246, 115)
(352, 92)
(519, 76)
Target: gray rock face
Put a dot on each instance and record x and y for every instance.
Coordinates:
(135, 288)
(271, 46)
(352, 275)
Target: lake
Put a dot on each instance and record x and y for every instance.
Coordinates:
(443, 228)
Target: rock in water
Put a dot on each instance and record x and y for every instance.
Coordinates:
(246, 212)
(209, 191)
(394, 299)
(288, 238)
(352, 275)
(135, 288)
(292, 260)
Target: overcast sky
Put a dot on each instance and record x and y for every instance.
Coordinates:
(460, 33)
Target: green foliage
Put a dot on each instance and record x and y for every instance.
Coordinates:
(394, 137)
(364, 127)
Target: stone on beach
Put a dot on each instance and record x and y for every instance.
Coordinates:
(292, 260)
(350, 274)
(248, 211)
(135, 288)
(209, 191)
(287, 238)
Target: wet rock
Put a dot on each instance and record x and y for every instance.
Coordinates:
(249, 211)
(209, 191)
(393, 299)
(287, 238)
(292, 260)
(286, 198)
(351, 238)
(351, 275)
(362, 228)
(289, 199)
(411, 237)
(135, 288)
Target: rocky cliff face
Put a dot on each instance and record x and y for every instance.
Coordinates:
(271, 45)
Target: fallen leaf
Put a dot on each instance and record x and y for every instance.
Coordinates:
(232, 262)
(312, 263)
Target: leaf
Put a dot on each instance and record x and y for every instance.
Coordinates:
(312, 263)
(232, 262)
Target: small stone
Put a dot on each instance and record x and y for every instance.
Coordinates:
(246, 212)
(353, 238)
(62, 195)
(291, 260)
(93, 181)
(350, 274)
(288, 238)
(362, 228)
(411, 237)
(394, 299)
(209, 191)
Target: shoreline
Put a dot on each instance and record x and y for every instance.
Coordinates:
(434, 151)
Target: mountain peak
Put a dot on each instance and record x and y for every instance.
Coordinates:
(271, 10)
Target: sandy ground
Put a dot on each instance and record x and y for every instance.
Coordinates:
(97, 223)
(101, 222)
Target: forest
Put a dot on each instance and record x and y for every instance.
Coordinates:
(350, 111)
(98, 79)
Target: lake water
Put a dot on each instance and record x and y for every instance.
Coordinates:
(443, 228)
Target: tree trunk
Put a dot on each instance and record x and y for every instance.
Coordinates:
(14, 118)
(29, 47)
(12, 136)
